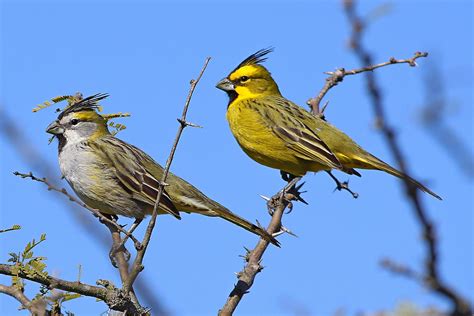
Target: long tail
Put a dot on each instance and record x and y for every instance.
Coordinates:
(373, 162)
(239, 221)
(188, 198)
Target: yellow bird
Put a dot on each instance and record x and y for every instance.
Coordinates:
(279, 134)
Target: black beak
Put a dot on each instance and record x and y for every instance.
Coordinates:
(225, 85)
(55, 128)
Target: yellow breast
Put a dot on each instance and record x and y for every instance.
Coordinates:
(259, 141)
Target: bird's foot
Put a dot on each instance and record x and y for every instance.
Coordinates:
(118, 248)
(291, 192)
(286, 176)
(134, 226)
(343, 185)
(112, 217)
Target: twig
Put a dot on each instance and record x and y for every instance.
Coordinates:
(14, 227)
(431, 275)
(95, 212)
(337, 76)
(137, 266)
(399, 269)
(277, 205)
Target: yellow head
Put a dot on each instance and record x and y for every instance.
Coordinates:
(249, 79)
(79, 122)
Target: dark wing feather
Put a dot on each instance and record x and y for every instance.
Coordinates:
(288, 122)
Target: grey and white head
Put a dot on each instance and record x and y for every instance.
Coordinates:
(79, 122)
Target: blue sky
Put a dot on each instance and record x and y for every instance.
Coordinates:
(144, 54)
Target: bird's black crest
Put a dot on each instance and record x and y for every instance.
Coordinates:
(90, 103)
(256, 58)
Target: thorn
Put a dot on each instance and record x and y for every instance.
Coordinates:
(324, 108)
(264, 197)
(278, 233)
(286, 230)
(299, 186)
(185, 123)
(193, 125)
(300, 199)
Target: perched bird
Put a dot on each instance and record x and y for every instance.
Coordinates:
(118, 178)
(279, 134)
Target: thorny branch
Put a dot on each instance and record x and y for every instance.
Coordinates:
(137, 265)
(431, 277)
(276, 206)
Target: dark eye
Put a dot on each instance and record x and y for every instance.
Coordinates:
(244, 79)
(74, 121)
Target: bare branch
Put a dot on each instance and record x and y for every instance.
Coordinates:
(399, 269)
(431, 276)
(277, 205)
(137, 266)
(337, 76)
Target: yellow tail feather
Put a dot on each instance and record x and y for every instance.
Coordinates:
(375, 163)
